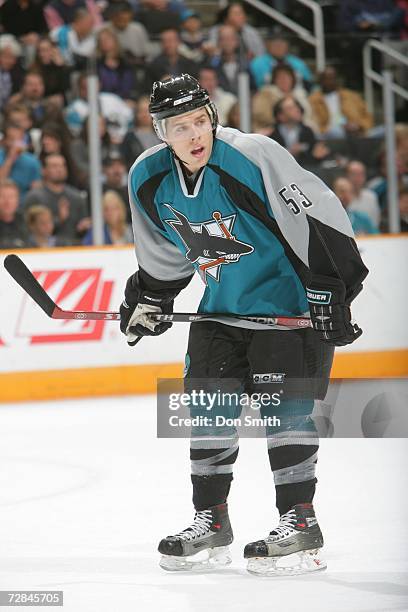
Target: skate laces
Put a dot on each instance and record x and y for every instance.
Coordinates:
(200, 526)
(285, 527)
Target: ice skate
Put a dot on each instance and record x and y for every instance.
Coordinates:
(292, 548)
(203, 545)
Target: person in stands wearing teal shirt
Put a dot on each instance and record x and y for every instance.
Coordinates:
(261, 67)
(17, 164)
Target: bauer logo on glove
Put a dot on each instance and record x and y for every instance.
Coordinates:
(330, 310)
(319, 297)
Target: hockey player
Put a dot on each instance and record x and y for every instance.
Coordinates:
(266, 237)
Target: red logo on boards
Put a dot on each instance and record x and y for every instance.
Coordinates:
(71, 290)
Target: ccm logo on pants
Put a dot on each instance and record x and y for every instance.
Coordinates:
(271, 377)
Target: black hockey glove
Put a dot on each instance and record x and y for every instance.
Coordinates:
(134, 310)
(330, 311)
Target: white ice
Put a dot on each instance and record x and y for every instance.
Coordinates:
(87, 491)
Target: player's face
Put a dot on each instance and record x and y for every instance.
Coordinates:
(190, 136)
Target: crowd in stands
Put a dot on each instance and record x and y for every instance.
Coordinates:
(45, 48)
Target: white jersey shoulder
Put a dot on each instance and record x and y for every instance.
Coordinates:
(254, 146)
(294, 194)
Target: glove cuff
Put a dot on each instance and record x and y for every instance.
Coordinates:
(134, 293)
(325, 290)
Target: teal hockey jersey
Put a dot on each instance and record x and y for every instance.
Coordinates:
(254, 225)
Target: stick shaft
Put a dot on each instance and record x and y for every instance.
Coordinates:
(24, 277)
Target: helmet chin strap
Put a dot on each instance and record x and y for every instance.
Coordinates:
(179, 158)
(175, 155)
(214, 131)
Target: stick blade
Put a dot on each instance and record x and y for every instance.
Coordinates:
(22, 275)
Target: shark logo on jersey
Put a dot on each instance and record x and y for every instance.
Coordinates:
(209, 244)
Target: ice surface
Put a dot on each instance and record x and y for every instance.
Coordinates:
(87, 491)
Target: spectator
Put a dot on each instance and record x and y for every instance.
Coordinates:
(264, 100)
(403, 206)
(338, 111)
(229, 62)
(192, 35)
(76, 41)
(369, 16)
(365, 200)
(294, 135)
(403, 33)
(142, 136)
(133, 38)
(234, 119)
(32, 95)
(223, 100)
(24, 19)
(170, 61)
(56, 138)
(115, 74)
(40, 225)
(158, 16)
(401, 141)
(360, 221)
(177, 6)
(116, 229)
(16, 163)
(12, 227)
(80, 150)
(115, 178)
(363, 19)
(117, 114)
(62, 12)
(379, 184)
(20, 115)
(50, 64)
(67, 204)
(278, 53)
(234, 15)
(11, 72)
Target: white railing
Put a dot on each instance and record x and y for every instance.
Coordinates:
(394, 222)
(389, 90)
(370, 76)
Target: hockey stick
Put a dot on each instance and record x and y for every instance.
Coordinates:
(22, 275)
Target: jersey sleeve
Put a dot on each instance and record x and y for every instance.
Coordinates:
(155, 253)
(310, 216)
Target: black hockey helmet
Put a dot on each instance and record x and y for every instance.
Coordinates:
(176, 96)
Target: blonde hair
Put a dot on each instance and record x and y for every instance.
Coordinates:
(119, 50)
(34, 212)
(113, 196)
(9, 183)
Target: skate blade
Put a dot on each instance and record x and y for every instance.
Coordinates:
(302, 562)
(210, 559)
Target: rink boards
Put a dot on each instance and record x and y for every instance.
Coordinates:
(43, 358)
